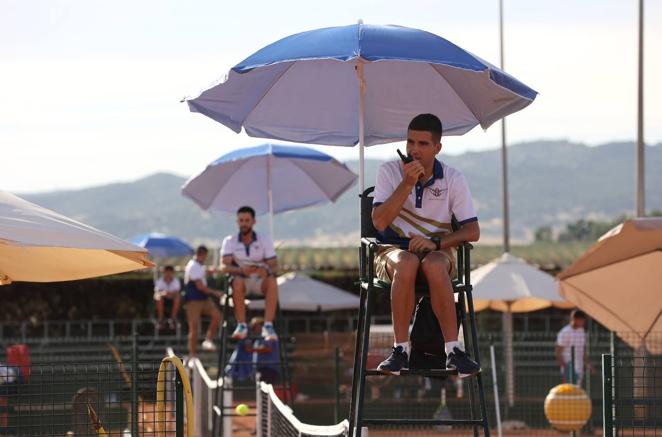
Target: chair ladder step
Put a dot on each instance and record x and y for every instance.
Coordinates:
(415, 372)
(423, 422)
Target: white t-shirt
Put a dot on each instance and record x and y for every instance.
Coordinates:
(430, 206)
(194, 271)
(260, 250)
(568, 338)
(173, 286)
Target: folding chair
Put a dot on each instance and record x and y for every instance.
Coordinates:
(222, 409)
(371, 285)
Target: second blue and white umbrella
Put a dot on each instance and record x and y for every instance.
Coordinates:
(271, 178)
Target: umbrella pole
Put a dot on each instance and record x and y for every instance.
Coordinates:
(510, 370)
(270, 197)
(359, 75)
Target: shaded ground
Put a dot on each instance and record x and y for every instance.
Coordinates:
(245, 427)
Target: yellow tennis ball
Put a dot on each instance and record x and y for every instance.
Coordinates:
(567, 407)
(241, 409)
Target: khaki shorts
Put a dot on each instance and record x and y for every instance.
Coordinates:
(387, 251)
(253, 285)
(198, 308)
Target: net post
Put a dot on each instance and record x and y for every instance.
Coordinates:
(607, 400)
(134, 383)
(336, 386)
(179, 406)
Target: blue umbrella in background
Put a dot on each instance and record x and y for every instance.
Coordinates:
(271, 178)
(360, 84)
(162, 246)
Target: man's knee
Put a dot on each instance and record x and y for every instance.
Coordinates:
(406, 266)
(436, 266)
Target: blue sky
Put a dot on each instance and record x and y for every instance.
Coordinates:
(90, 89)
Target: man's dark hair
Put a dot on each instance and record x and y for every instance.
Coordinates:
(169, 269)
(247, 209)
(201, 249)
(577, 314)
(427, 123)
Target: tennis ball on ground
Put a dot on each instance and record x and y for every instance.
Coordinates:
(241, 409)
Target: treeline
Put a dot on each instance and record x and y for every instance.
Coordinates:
(583, 230)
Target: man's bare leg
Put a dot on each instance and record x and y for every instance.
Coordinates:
(213, 326)
(270, 291)
(435, 267)
(176, 304)
(238, 295)
(402, 266)
(160, 309)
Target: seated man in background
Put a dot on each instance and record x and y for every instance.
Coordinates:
(198, 302)
(261, 355)
(415, 199)
(249, 257)
(167, 287)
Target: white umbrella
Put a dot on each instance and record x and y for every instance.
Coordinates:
(509, 284)
(297, 292)
(271, 178)
(40, 245)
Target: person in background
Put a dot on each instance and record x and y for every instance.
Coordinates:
(167, 287)
(250, 258)
(198, 302)
(571, 336)
(255, 354)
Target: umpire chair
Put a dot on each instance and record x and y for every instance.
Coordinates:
(369, 286)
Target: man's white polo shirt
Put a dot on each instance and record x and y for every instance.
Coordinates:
(169, 287)
(429, 207)
(261, 249)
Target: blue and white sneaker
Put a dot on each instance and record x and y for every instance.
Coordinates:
(395, 362)
(240, 332)
(268, 332)
(460, 361)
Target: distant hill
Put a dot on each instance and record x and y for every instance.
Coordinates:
(550, 183)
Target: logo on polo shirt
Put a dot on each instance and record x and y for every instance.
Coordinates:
(436, 192)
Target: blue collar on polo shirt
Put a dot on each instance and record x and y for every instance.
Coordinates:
(247, 247)
(437, 173)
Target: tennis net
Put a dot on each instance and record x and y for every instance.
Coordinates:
(274, 418)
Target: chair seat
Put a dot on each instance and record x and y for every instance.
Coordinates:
(421, 288)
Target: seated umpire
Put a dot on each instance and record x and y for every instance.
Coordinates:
(412, 211)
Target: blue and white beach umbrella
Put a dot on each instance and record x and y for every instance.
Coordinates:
(271, 178)
(360, 84)
(162, 246)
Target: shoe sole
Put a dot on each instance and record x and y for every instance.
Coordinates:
(466, 375)
(390, 372)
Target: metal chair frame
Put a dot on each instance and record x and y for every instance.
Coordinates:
(369, 286)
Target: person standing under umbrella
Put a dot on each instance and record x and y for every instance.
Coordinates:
(572, 336)
(250, 258)
(414, 203)
(198, 303)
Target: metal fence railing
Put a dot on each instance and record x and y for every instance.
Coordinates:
(83, 399)
(632, 395)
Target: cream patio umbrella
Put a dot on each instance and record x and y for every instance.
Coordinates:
(618, 282)
(40, 245)
(510, 285)
(298, 292)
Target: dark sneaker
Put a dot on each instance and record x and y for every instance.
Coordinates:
(395, 362)
(464, 365)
